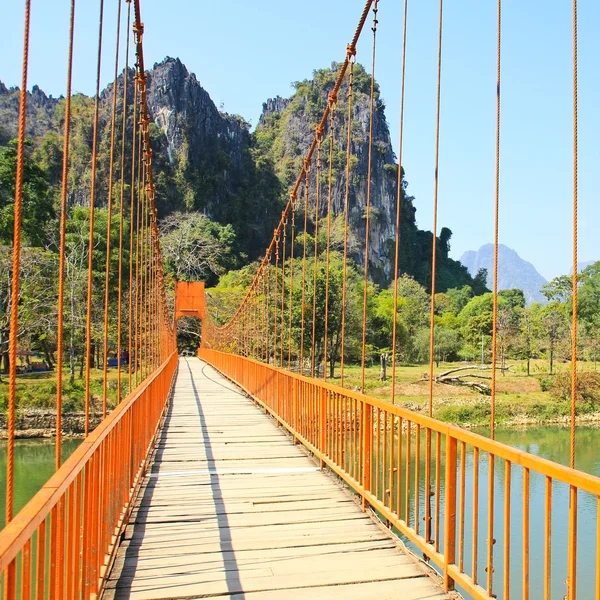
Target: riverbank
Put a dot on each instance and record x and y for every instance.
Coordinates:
(34, 423)
(521, 399)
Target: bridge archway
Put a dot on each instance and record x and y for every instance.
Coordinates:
(189, 299)
(189, 314)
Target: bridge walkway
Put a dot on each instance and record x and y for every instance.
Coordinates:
(232, 508)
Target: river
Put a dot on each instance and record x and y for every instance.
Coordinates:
(34, 463)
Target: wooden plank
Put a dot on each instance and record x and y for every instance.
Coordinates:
(232, 508)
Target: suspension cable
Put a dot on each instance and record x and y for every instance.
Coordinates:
(122, 208)
(306, 191)
(15, 279)
(90, 273)
(435, 211)
(314, 303)
(62, 244)
(399, 206)
(132, 217)
(351, 56)
(368, 206)
(332, 100)
(575, 233)
(292, 242)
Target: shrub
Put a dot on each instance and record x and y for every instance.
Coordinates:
(588, 389)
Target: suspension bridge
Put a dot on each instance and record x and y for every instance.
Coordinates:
(246, 471)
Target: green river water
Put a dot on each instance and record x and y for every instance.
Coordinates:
(35, 463)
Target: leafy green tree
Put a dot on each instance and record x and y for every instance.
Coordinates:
(447, 343)
(383, 316)
(515, 298)
(353, 312)
(37, 300)
(459, 298)
(37, 206)
(530, 333)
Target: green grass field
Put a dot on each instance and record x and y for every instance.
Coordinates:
(519, 398)
(38, 390)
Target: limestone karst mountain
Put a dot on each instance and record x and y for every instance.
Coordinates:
(209, 161)
(513, 271)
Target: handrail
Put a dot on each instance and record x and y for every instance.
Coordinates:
(375, 460)
(129, 431)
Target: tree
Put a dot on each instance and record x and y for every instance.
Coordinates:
(447, 343)
(194, 248)
(353, 311)
(459, 298)
(530, 332)
(37, 299)
(555, 327)
(37, 205)
(515, 298)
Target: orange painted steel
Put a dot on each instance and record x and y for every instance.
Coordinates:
(351, 54)
(189, 299)
(113, 457)
(399, 201)
(347, 431)
(368, 201)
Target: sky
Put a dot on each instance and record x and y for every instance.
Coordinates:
(244, 52)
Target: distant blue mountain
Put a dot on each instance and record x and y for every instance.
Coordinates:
(513, 271)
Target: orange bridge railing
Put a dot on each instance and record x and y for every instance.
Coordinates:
(378, 450)
(62, 541)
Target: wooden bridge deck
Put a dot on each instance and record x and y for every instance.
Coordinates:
(232, 508)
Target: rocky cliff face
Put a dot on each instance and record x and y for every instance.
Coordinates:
(209, 161)
(40, 112)
(203, 159)
(189, 119)
(286, 130)
(289, 126)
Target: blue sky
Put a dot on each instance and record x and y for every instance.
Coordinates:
(244, 52)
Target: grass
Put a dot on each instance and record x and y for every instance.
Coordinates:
(519, 398)
(38, 390)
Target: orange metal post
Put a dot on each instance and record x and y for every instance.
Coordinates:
(450, 511)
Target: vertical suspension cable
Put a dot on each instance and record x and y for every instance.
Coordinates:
(399, 206)
(435, 210)
(15, 281)
(306, 191)
(276, 292)
(490, 532)
(351, 55)
(132, 216)
(109, 217)
(368, 206)
(433, 281)
(90, 274)
(313, 359)
(575, 249)
(267, 305)
(282, 325)
(332, 105)
(572, 536)
(496, 235)
(294, 201)
(122, 208)
(138, 242)
(62, 244)
(142, 258)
